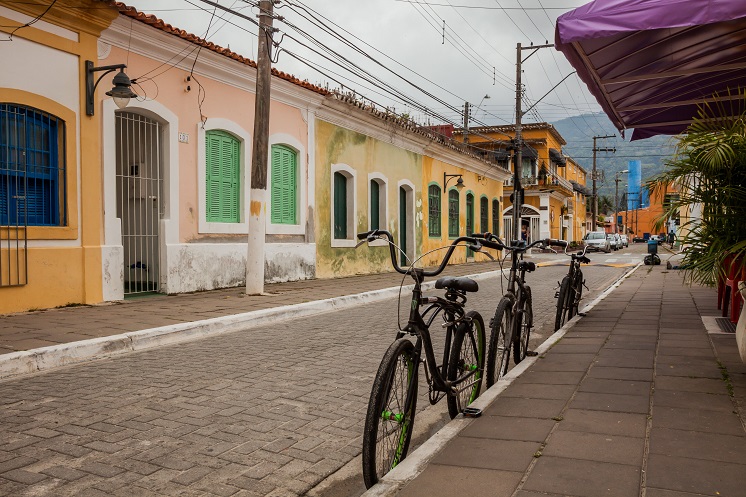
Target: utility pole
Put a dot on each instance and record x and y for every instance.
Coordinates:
(518, 154)
(466, 122)
(594, 175)
(258, 195)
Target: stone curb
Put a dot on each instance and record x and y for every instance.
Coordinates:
(54, 356)
(417, 461)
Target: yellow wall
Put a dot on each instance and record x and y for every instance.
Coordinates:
(432, 172)
(337, 145)
(70, 271)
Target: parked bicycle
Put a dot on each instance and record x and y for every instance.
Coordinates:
(510, 328)
(571, 288)
(391, 409)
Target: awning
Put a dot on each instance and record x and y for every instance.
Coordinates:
(649, 63)
(501, 155)
(557, 157)
(529, 152)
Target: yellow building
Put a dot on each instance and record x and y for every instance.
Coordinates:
(555, 197)
(51, 216)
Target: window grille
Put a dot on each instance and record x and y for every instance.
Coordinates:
(433, 208)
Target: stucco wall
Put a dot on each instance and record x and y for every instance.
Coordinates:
(337, 145)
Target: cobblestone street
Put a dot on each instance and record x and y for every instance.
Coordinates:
(271, 411)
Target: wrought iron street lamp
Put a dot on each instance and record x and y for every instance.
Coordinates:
(121, 93)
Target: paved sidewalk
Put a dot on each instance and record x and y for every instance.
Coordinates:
(636, 399)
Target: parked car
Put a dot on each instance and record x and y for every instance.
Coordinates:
(612, 241)
(638, 239)
(619, 243)
(625, 240)
(657, 238)
(596, 240)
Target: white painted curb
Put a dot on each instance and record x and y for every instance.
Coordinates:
(44, 358)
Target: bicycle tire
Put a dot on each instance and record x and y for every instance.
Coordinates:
(388, 422)
(498, 350)
(467, 354)
(564, 303)
(523, 332)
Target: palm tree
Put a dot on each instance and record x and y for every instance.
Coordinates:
(709, 170)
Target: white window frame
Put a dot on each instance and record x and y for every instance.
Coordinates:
(244, 138)
(289, 229)
(383, 206)
(411, 248)
(351, 176)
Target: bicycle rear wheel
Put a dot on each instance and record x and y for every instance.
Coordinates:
(525, 323)
(390, 419)
(564, 304)
(498, 350)
(467, 355)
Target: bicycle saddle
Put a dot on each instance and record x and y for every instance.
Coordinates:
(457, 283)
(527, 266)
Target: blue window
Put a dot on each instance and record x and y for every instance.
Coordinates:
(32, 169)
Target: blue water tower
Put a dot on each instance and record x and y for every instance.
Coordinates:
(634, 185)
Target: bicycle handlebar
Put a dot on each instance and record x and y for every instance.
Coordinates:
(579, 256)
(519, 247)
(473, 243)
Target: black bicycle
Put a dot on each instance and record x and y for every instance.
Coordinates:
(571, 288)
(393, 398)
(510, 328)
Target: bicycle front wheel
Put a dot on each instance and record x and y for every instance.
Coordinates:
(564, 304)
(498, 350)
(391, 409)
(467, 356)
(524, 324)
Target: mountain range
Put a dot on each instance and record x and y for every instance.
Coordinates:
(578, 132)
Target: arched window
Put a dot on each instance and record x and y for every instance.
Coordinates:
(32, 167)
(284, 195)
(433, 210)
(453, 209)
(223, 168)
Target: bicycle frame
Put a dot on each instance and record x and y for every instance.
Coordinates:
(417, 326)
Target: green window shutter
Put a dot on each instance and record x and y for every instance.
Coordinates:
(496, 217)
(375, 205)
(453, 213)
(340, 206)
(433, 209)
(284, 196)
(484, 215)
(223, 171)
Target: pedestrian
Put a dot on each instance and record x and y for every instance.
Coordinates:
(671, 238)
(524, 233)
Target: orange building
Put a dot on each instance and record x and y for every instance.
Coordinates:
(637, 222)
(554, 185)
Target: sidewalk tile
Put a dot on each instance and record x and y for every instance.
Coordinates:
(611, 402)
(529, 408)
(612, 423)
(696, 476)
(596, 447)
(692, 400)
(452, 480)
(622, 387)
(559, 475)
(616, 373)
(698, 419)
(509, 428)
(486, 454)
(710, 446)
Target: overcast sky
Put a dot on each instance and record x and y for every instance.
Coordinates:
(477, 57)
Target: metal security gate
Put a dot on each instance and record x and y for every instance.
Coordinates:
(139, 194)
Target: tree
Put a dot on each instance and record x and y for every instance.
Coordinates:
(709, 169)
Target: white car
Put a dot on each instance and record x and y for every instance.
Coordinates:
(625, 240)
(612, 241)
(596, 240)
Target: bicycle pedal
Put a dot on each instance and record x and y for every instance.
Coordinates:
(582, 314)
(472, 412)
(531, 353)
